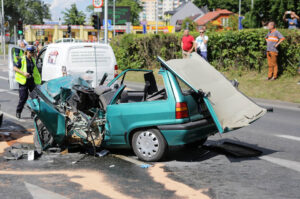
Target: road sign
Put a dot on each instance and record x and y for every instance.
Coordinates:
(97, 3)
(109, 26)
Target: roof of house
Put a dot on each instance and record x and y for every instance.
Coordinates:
(212, 15)
(194, 17)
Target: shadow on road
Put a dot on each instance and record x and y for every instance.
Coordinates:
(235, 151)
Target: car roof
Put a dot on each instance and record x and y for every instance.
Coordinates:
(72, 44)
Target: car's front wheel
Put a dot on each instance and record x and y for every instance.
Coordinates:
(149, 145)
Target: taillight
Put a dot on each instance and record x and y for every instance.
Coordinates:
(116, 71)
(182, 110)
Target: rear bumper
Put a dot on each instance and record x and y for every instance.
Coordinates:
(180, 134)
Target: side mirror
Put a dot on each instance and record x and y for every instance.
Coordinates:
(103, 79)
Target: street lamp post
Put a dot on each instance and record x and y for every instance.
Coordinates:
(156, 17)
(105, 21)
(114, 17)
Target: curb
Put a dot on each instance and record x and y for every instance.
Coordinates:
(277, 104)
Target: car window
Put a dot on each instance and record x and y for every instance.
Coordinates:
(185, 89)
(136, 89)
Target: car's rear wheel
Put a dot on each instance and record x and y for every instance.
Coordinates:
(149, 145)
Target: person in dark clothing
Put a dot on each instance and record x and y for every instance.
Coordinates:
(28, 76)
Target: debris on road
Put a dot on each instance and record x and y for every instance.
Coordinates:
(112, 166)
(145, 166)
(18, 151)
(102, 153)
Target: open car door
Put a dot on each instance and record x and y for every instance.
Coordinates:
(11, 73)
(229, 108)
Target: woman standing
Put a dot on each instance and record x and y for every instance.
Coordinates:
(201, 44)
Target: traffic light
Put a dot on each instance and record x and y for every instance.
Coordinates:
(96, 22)
(20, 27)
(69, 29)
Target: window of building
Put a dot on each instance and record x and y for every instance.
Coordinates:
(224, 22)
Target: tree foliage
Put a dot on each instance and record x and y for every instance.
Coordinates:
(262, 12)
(73, 16)
(187, 23)
(30, 11)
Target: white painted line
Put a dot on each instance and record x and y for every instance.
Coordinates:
(9, 92)
(39, 192)
(13, 117)
(4, 78)
(289, 137)
(282, 162)
(128, 159)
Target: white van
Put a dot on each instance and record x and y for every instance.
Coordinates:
(89, 60)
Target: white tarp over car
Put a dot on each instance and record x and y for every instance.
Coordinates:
(233, 109)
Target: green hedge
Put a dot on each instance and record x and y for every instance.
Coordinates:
(238, 50)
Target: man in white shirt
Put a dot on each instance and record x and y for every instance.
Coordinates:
(201, 44)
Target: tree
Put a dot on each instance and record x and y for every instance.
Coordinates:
(73, 16)
(29, 11)
(189, 24)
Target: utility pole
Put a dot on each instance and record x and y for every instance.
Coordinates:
(114, 17)
(240, 5)
(105, 20)
(156, 17)
(15, 34)
(252, 4)
(3, 31)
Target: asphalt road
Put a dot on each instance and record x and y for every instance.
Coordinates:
(202, 173)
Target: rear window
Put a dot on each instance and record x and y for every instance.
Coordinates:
(185, 89)
(100, 56)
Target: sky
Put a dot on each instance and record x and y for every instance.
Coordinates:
(57, 6)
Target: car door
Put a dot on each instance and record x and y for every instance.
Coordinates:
(40, 59)
(11, 73)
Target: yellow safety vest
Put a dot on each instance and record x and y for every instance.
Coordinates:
(21, 79)
(15, 57)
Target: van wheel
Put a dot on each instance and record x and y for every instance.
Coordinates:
(149, 145)
(42, 139)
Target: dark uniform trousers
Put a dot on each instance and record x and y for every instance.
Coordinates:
(23, 93)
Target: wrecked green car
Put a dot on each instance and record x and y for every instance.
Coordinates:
(185, 103)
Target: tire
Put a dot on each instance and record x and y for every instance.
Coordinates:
(44, 140)
(149, 145)
(195, 145)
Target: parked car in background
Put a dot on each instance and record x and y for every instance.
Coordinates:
(1, 117)
(192, 102)
(89, 60)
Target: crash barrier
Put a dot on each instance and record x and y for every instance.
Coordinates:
(240, 50)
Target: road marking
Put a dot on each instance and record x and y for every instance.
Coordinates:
(9, 92)
(282, 162)
(40, 193)
(128, 159)
(289, 137)
(4, 78)
(13, 117)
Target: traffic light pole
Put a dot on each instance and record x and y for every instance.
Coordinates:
(3, 31)
(98, 27)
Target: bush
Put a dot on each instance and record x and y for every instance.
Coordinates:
(237, 50)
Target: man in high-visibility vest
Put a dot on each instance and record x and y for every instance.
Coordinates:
(18, 53)
(27, 75)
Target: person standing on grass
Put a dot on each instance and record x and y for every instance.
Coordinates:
(187, 44)
(273, 38)
(293, 21)
(201, 44)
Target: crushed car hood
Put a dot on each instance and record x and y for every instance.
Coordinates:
(233, 109)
